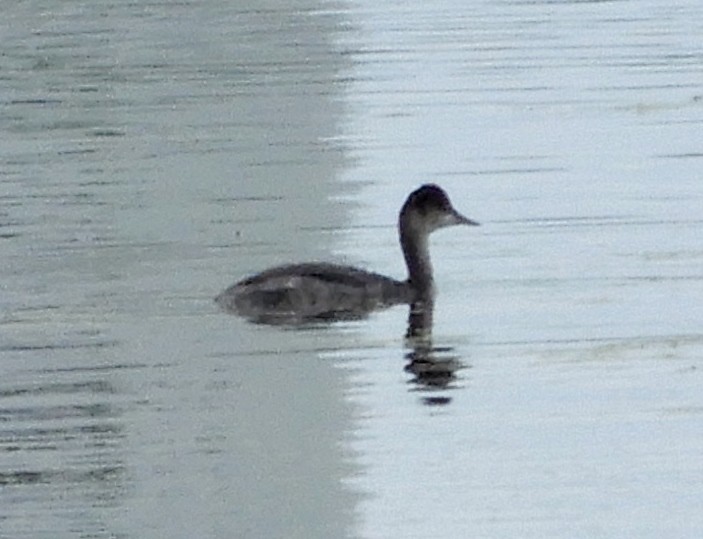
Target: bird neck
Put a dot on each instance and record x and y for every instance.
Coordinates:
(415, 245)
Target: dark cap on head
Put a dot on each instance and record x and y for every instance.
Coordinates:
(432, 199)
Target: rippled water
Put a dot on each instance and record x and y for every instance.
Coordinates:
(151, 154)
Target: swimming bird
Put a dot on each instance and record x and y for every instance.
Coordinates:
(299, 293)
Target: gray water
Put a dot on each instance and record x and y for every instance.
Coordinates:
(151, 154)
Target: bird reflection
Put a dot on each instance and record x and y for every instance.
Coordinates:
(433, 367)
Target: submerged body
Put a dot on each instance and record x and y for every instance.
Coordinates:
(305, 292)
(321, 291)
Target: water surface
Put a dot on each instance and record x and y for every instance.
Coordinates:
(152, 154)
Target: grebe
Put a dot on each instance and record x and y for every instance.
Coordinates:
(299, 293)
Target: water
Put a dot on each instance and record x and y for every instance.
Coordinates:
(152, 154)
